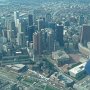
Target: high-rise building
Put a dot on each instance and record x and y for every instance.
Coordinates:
(51, 25)
(40, 23)
(13, 29)
(37, 43)
(48, 17)
(50, 41)
(30, 20)
(4, 33)
(22, 27)
(16, 16)
(9, 35)
(43, 41)
(13, 26)
(59, 34)
(81, 20)
(21, 39)
(85, 35)
(30, 32)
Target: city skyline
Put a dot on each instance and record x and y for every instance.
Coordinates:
(45, 45)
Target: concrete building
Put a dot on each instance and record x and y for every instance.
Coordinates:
(9, 35)
(16, 67)
(43, 41)
(84, 84)
(61, 57)
(21, 27)
(78, 71)
(16, 16)
(84, 50)
(21, 41)
(66, 81)
(37, 42)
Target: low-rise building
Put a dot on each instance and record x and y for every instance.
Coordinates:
(78, 71)
(17, 67)
(61, 56)
(66, 81)
(84, 84)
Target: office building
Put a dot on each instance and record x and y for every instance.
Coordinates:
(22, 26)
(52, 25)
(30, 20)
(21, 41)
(81, 20)
(13, 29)
(48, 17)
(30, 32)
(43, 41)
(9, 35)
(85, 35)
(50, 41)
(40, 23)
(16, 16)
(37, 42)
(59, 34)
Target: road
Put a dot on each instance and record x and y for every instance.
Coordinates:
(58, 68)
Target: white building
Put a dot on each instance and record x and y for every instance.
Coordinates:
(16, 16)
(78, 70)
(16, 67)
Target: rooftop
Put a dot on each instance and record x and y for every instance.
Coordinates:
(59, 55)
(16, 66)
(78, 68)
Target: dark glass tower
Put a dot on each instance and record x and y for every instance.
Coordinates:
(59, 34)
(31, 30)
(30, 19)
(85, 35)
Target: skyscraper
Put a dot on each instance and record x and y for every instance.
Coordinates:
(85, 35)
(21, 39)
(16, 16)
(81, 20)
(30, 32)
(13, 29)
(50, 41)
(59, 34)
(22, 26)
(40, 23)
(37, 43)
(9, 35)
(52, 25)
(43, 41)
(30, 20)
(48, 17)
